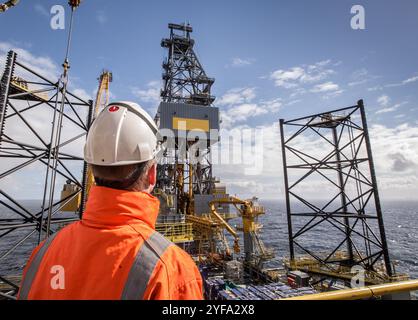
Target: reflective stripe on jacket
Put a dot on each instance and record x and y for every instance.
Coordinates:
(114, 252)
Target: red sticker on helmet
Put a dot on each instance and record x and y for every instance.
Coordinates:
(113, 108)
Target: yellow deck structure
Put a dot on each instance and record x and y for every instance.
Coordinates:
(179, 232)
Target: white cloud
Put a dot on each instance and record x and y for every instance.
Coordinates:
(395, 151)
(243, 111)
(150, 94)
(295, 76)
(413, 79)
(240, 106)
(405, 82)
(390, 109)
(325, 87)
(266, 184)
(240, 113)
(383, 100)
(375, 88)
(292, 102)
(273, 105)
(356, 83)
(385, 110)
(236, 96)
(287, 78)
(240, 62)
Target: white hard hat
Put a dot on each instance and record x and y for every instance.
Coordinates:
(123, 133)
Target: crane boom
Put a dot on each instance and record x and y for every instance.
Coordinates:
(71, 191)
(102, 96)
(249, 211)
(102, 99)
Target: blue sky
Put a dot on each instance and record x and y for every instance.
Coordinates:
(271, 60)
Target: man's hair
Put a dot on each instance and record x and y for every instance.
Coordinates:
(120, 177)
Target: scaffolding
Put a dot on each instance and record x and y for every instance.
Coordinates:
(38, 133)
(41, 126)
(331, 152)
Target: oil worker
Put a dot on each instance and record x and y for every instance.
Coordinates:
(114, 252)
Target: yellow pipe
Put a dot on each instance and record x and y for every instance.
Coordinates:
(363, 292)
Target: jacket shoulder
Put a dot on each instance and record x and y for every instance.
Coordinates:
(175, 257)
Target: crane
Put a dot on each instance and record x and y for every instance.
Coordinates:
(224, 223)
(71, 192)
(102, 96)
(8, 4)
(102, 99)
(249, 211)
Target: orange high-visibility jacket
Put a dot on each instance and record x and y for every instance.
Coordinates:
(114, 252)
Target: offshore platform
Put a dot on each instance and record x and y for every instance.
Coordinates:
(196, 210)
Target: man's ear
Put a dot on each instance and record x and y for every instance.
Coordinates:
(152, 175)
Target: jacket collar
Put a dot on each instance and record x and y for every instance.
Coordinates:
(112, 207)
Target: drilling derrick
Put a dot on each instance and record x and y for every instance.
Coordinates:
(186, 118)
(189, 126)
(185, 81)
